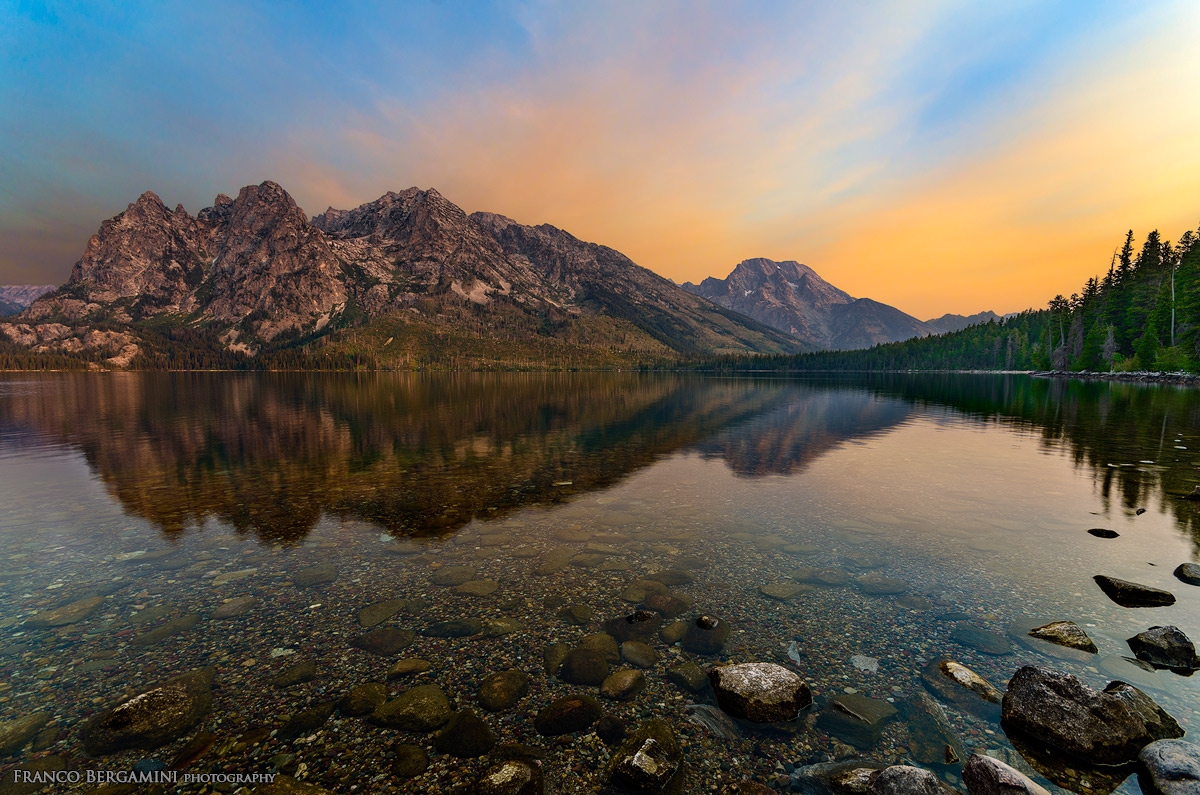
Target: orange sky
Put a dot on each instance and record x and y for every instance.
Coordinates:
(937, 156)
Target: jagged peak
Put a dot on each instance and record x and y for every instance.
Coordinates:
(148, 198)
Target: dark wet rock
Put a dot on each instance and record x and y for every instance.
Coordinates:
(1132, 594)
(152, 717)
(553, 656)
(1106, 727)
(1100, 532)
(672, 577)
(363, 699)
(759, 692)
(453, 575)
(409, 761)
(640, 590)
(958, 685)
(688, 675)
(984, 775)
(306, 721)
(668, 605)
(1193, 495)
(611, 729)
(478, 588)
(286, 785)
(15, 734)
(567, 715)
(783, 591)
(1064, 633)
(377, 613)
(453, 628)
(576, 615)
(875, 585)
(856, 718)
(650, 760)
(847, 777)
(315, 576)
(604, 644)
(931, 739)
(408, 666)
(706, 635)
(465, 735)
(1165, 647)
(583, 667)
(234, 608)
(1173, 767)
(418, 709)
(159, 634)
(639, 625)
(623, 685)
(511, 777)
(501, 690)
(70, 613)
(384, 641)
(637, 653)
(672, 633)
(981, 639)
(293, 675)
(1064, 770)
(905, 780)
(1188, 572)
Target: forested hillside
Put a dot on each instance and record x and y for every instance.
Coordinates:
(1143, 313)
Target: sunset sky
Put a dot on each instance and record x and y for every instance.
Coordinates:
(940, 156)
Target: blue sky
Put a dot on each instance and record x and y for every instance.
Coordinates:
(996, 151)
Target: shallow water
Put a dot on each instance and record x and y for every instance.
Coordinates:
(170, 495)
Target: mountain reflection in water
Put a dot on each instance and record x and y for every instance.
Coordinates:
(424, 454)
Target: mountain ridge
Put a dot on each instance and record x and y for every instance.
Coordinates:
(254, 273)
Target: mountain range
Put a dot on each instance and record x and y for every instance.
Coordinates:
(410, 279)
(793, 298)
(15, 298)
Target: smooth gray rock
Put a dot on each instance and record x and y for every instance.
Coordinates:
(984, 775)
(1173, 766)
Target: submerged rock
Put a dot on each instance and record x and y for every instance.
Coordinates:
(384, 641)
(759, 692)
(985, 775)
(315, 576)
(640, 654)
(931, 739)
(15, 734)
(623, 685)
(377, 613)
(783, 591)
(583, 667)
(453, 628)
(300, 672)
(1064, 633)
(153, 717)
(1165, 647)
(71, 613)
(958, 685)
(855, 718)
(408, 665)
(650, 760)
(511, 777)
(306, 721)
(363, 699)
(409, 761)
(465, 736)
(640, 625)
(501, 690)
(1106, 727)
(234, 608)
(419, 709)
(567, 715)
(880, 586)
(1132, 594)
(453, 575)
(672, 577)
(1173, 767)
(981, 639)
(687, 675)
(706, 635)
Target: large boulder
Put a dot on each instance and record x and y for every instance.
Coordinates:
(905, 780)
(1165, 647)
(650, 760)
(1107, 727)
(984, 775)
(759, 692)
(152, 717)
(1173, 767)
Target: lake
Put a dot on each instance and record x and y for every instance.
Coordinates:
(854, 530)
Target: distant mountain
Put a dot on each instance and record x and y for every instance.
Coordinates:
(948, 323)
(791, 297)
(15, 297)
(409, 278)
